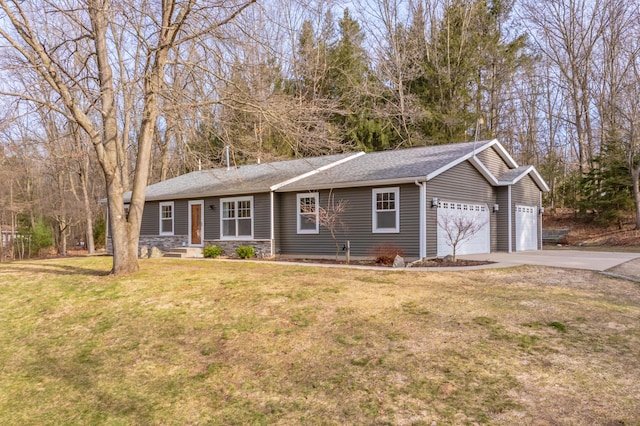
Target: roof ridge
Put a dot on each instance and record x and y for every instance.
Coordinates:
(313, 172)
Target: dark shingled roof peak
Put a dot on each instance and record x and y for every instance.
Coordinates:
(397, 165)
(329, 171)
(244, 179)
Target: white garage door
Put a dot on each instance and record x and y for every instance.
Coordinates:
(526, 228)
(467, 223)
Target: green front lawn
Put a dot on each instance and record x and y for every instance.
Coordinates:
(212, 342)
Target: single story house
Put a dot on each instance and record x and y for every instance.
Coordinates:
(411, 198)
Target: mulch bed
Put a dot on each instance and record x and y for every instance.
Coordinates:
(440, 262)
(428, 263)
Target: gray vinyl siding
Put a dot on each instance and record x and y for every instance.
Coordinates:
(277, 211)
(502, 219)
(150, 219)
(211, 218)
(180, 217)
(358, 220)
(261, 212)
(462, 183)
(524, 192)
(494, 163)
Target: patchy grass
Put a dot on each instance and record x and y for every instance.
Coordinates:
(209, 342)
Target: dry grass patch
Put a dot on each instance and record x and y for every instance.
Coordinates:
(207, 342)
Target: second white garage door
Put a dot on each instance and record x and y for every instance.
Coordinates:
(454, 217)
(526, 228)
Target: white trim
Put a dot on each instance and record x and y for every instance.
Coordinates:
(462, 159)
(422, 205)
(479, 165)
(374, 221)
(509, 220)
(313, 172)
(367, 183)
(502, 152)
(536, 177)
(189, 236)
(272, 224)
(299, 214)
(235, 200)
(173, 217)
(539, 230)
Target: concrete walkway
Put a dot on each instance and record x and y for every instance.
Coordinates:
(576, 259)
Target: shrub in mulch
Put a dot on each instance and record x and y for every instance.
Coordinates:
(384, 254)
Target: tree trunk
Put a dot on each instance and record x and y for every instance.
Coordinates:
(88, 214)
(63, 239)
(124, 259)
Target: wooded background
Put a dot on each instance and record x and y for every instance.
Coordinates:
(557, 82)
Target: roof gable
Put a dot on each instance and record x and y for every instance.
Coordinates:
(251, 178)
(342, 170)
(390, 167)
(514, 176)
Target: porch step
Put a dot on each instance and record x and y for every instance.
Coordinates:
(184, 252)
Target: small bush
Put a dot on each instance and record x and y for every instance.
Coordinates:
(246, 252)
(212, 251)
(384, 254)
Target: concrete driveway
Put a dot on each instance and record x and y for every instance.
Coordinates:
(577, 259)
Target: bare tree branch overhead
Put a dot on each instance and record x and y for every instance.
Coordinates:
(51, 40)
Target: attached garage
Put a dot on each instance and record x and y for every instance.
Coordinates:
(468, 223)
(526, 228)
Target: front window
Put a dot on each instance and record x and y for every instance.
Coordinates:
(307, 213)
(386, 210)
(237, 218)
(166, 218)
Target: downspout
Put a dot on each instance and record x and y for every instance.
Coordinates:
(423, 218)
(272, 225)
(509, 214)
(539, 230)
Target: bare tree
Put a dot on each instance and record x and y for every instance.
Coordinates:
(459, 229)
(568, 33)
(43, 35)
(398, 55)
(330, 217)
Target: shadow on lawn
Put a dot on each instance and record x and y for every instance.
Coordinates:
(46, 268)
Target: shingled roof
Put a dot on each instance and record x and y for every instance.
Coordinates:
(246, 179)
(403, 165)
(336, 171)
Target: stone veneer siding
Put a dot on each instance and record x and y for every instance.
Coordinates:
(166, 243)
(262, 247)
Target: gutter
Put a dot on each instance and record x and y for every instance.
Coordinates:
(509, 215)
(378, 182)
(422, 205)
(272, 224)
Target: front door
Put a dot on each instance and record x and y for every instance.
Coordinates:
(196, 219)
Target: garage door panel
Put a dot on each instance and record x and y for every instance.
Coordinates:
(526, 228)
(457, 219)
